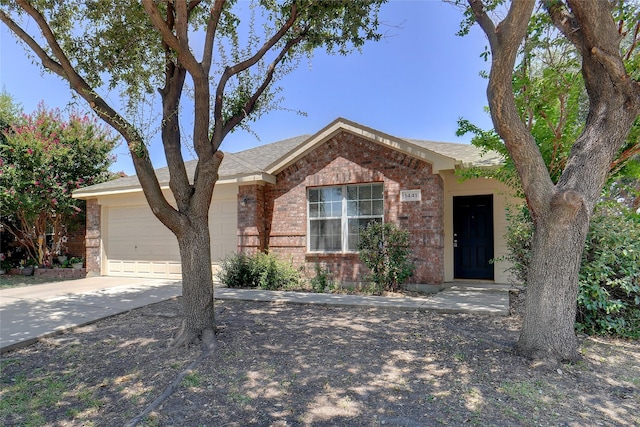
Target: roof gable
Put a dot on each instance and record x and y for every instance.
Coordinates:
(438, 160)
(264, 162)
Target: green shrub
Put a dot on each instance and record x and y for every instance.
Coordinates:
(518, 240)
(264, 271)
(609, 292)
(322, 281)
(609, 298)
(271, 273)
(235, 271)
(385, 250)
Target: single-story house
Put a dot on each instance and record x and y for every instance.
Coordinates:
(305, 198)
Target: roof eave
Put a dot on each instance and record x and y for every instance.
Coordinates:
(260, 177)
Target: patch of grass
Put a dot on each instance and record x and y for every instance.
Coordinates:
(151, 421)
(87, 397)
(4, 364)
(523, 390)
(8, 281)
(239, 398)
(26, 399)
(192, 379)
(72, 413)
(511, 412)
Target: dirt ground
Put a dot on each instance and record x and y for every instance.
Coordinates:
(297, 365)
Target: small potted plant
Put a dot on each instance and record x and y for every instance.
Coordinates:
(76, 263)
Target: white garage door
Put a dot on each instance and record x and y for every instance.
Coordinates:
(137, 244)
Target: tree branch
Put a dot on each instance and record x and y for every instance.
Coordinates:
(634, 43)
(179, 44)
(484, 20)
(182, 25)
(138, 149)
(624, 156)
(249, 106)
(47, 61)
(209, 38)
(613, 98)
(505, 40)
(195, 69)
(564, 20)
(218, 132)
(613, 64)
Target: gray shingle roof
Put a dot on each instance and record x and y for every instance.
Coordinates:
(255, 161)
(468, 154)
(264, 155)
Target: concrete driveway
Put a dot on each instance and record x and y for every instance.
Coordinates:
(31, 312)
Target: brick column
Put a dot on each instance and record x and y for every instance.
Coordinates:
(251, 232)
(93, 258)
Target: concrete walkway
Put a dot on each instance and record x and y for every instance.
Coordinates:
(32, 312)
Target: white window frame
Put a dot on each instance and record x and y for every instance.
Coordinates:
(344, 217)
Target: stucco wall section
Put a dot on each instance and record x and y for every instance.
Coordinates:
(503, 197)
(348, 159)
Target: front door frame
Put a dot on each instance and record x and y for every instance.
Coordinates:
(471, 251)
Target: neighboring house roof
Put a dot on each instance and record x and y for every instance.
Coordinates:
(262, 163)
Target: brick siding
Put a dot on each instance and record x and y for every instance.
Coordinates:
(251, 220)
(92, 242)
(275, 216)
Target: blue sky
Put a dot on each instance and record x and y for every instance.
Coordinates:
(415, 83)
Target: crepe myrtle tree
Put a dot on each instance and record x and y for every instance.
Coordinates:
(561, 209)
(135, 47)
(43, 158)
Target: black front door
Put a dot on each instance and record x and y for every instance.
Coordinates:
(473, 237)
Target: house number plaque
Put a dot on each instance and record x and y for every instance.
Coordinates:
(410, 195)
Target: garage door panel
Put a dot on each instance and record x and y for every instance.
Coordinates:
(138, 244)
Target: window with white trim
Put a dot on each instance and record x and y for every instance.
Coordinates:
(337, 214)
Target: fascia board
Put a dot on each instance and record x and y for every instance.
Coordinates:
(438, 161)
(237, 179)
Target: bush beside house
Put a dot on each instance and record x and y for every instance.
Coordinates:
(609, 293)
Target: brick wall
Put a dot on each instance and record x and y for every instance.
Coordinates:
(347, 159)
(92, 242)
(251, 220)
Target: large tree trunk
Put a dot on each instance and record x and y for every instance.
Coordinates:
(197, 285)
(561, 211)
(552, 286)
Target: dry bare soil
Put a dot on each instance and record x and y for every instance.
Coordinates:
(296, 365)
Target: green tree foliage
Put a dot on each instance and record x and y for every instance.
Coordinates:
(43, 158)
(518, 240)
(609, 292)
(609, 298)
(386, 250)
(232, 57)
(9, 113)
(551, 100)
(562, 148)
